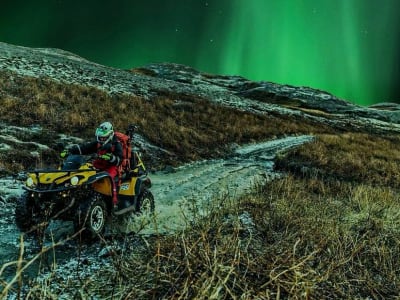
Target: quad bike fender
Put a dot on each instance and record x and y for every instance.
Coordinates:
(101, 183)
(98, 176)
(134, 185)
(127, 187)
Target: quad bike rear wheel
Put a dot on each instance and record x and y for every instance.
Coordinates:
(145, 203)
(91, 218)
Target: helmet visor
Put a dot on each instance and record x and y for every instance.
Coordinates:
(102, 139)
(103, 135)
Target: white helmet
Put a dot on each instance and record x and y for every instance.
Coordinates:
(104, 133)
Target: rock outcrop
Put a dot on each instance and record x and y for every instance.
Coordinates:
(167, 78)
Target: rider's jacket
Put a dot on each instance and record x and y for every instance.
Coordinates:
(113, 147)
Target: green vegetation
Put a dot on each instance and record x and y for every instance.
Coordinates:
(329, 229)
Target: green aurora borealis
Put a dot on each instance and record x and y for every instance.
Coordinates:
(349, 48)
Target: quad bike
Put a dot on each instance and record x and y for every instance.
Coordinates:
(78, 192)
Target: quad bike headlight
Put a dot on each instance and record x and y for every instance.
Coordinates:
(29, 182)
(74, 180)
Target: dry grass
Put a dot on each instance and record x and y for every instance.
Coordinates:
(190, 128)
(329, 230)
(342, 242)
(314, 237)
(292, 239)
(14, 287)
(357, 157)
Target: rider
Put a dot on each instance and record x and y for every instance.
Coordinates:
(109, 153)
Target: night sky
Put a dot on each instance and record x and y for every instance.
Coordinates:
(349, 48)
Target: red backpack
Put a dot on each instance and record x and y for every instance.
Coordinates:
(126, 151)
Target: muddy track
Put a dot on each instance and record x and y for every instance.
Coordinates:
(197, 183)
(200, 182)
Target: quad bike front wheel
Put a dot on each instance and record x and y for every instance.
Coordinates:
(91, 218)
(24, 213)
(27, 215)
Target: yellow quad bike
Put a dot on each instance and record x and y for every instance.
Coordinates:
(78, 192)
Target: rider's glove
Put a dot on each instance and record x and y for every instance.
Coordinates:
(64, 153)
(107, 156)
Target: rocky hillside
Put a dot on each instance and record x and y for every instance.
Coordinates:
(156, 79)
(285, 192)
(184, 86)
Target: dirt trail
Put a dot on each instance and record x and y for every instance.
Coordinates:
(200, 182)
(195, 184)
